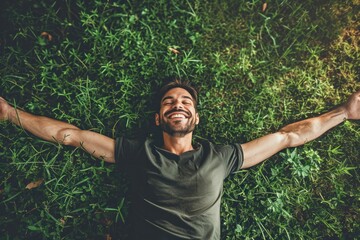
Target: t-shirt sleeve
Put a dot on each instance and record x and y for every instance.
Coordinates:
(234, 155)
(119, 151)
(125, 150)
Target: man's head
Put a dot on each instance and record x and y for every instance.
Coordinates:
(177, 84)
(177, 114)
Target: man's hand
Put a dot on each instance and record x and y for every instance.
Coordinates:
(4, 109)
(352, 106)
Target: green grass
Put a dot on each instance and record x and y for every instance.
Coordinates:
(257, 71)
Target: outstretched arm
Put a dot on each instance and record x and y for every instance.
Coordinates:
(299, 133)
(98, 145)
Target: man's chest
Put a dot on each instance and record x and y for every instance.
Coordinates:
(193, 188)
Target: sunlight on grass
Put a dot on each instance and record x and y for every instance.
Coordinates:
(258, 68)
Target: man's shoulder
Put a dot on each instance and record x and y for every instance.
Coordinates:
(213, 144)
(128, 148)
(136, 141)
(220, 148)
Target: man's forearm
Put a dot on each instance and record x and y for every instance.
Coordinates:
(43, 127)
(301, 132)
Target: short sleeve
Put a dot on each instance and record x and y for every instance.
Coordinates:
(234, 157)
(119, 153)
(237, 160)
(125, 151)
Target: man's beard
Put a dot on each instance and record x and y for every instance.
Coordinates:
(178, 130)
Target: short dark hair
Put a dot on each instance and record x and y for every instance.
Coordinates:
(177, 84)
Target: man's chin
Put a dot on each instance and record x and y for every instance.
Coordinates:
(177, 130)
(177, 133)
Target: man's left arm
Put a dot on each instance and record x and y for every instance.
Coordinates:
(299, 133)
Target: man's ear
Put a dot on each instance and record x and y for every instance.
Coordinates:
(197, 119)
(157, 119)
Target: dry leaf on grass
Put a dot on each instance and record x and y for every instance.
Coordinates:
(62, 221)
(173, 50)
(34, 184)
(264, 6)
(47, 36)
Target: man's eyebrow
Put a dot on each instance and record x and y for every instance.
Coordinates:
(171, 97)
(188, 97)
(167, 97)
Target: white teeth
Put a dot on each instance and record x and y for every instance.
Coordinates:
(177, 116)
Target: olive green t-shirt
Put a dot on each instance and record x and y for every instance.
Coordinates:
(176, 196)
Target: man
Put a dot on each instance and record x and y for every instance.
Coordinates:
(177, 185)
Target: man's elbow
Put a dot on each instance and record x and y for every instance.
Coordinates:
(68, 137)
(288, 138)
(293, 139)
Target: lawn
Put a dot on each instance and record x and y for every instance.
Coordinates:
(259, 66)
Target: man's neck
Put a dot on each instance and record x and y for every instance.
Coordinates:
(177, 145)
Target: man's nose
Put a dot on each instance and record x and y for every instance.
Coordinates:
(177, 105)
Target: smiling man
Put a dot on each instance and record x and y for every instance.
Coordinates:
(177, 184)
(180, 120)
(177, 116)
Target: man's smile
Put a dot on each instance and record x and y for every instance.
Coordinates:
(177, 114)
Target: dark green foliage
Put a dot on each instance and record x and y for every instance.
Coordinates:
(257, 71)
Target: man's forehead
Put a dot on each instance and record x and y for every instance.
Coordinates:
(177, 92)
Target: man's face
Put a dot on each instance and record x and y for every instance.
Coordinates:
(177, 115)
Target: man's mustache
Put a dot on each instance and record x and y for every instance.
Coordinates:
(188, 114)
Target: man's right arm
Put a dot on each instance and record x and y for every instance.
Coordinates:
(97, 145)
(300, 132)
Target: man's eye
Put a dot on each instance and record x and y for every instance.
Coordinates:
(167, 103)
(187, 102)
